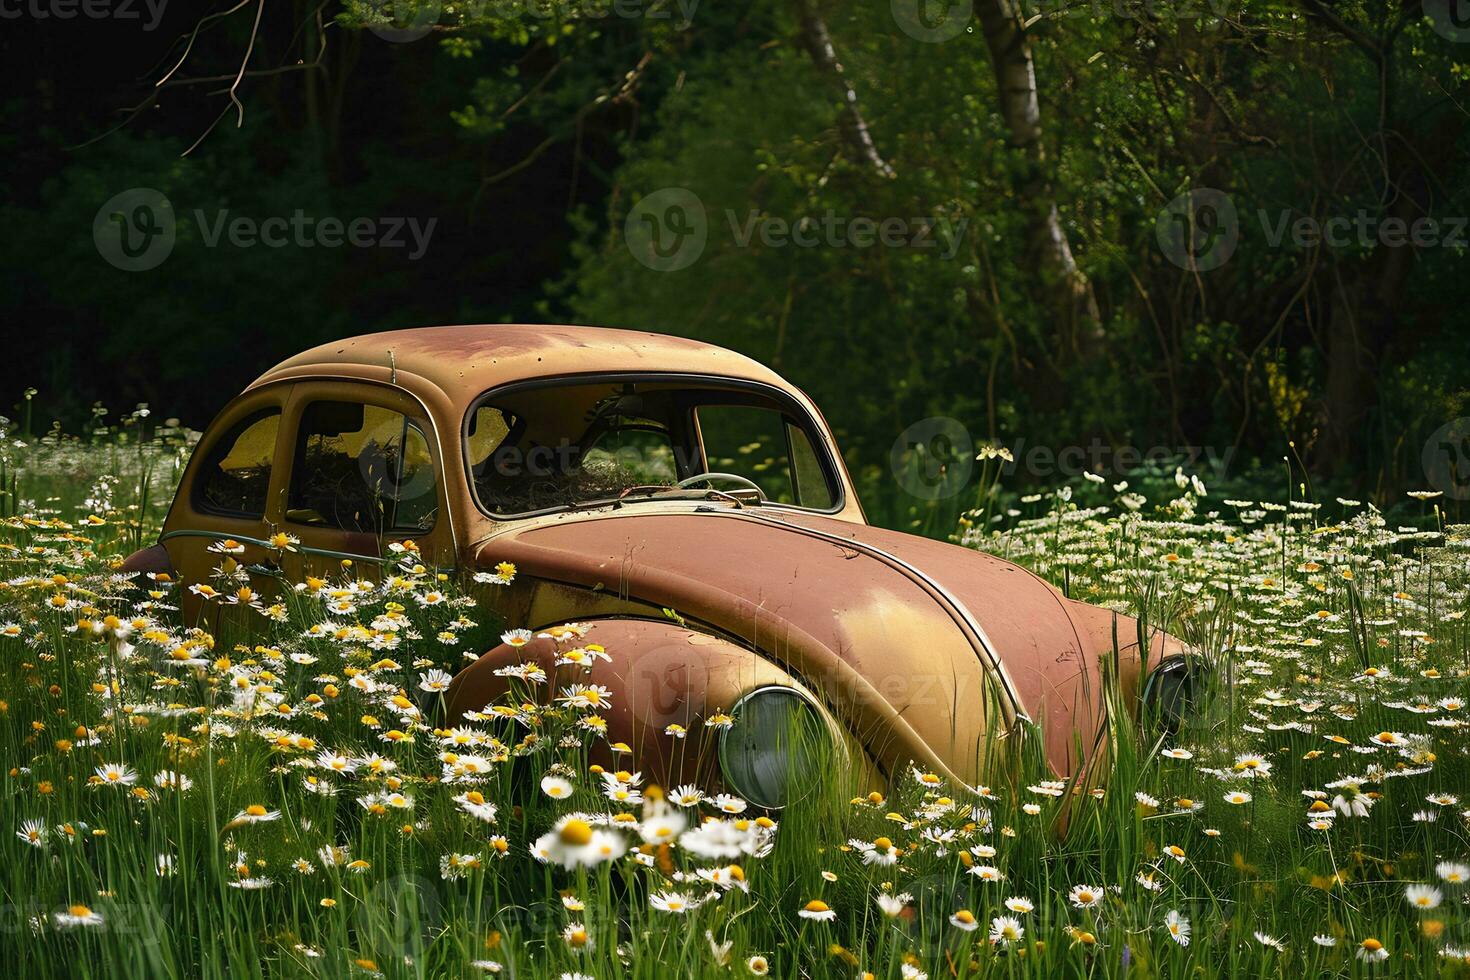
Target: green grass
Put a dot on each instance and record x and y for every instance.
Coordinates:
(1321, 625)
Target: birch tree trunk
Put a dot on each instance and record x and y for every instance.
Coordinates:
(1048, 246)
(855, 132)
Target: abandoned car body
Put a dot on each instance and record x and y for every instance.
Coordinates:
(688, 503)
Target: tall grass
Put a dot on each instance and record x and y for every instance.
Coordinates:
(1337, 646)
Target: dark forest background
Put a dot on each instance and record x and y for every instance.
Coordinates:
(1079, 305)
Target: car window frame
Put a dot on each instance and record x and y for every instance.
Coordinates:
(792, 410)
(297, 458)
(394, 398)
(208, 459)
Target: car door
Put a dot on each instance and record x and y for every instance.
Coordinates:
(364, 473)
(226, 505)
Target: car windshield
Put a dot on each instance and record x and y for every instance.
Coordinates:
(533, 447)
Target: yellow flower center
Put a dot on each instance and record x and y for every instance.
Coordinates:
(817, 905)
(1372, 945)
(577, 833)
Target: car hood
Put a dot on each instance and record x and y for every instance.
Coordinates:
(919, 646)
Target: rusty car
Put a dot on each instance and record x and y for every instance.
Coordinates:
(693, 507)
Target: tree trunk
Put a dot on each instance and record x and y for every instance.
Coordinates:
(1069, 292)
(855, 132)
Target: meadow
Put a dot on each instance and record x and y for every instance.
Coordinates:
(280, 797)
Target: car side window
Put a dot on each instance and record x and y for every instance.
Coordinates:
(237, 471)
(806, 471)
(762, 446)
(362, 468)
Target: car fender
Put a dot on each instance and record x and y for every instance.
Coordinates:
(661, 673)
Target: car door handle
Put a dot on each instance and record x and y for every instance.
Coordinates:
(266, 569)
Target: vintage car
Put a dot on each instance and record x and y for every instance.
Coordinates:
(690, 505)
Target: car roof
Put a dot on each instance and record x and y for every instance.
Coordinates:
(464, 361)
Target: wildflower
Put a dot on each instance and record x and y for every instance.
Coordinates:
(758, 966)
(881, 851)
(1021, 906)
(662, 826)
(254, 813)
(728, 803)
(671, 902)
(1371, 950)
(435, 681)
(817, 910)
(556, 787)
(1084, 896)
(473, 803)
(1271, 941)
(1353, 802)
(686, 795)
(1452, 873)
(964, 920)
(573, 842)
(1006, 930)
(987, 873)
(113, 774)
(1237, 798)
(1322, 939)
(1423, 896)
(252, 883)
(1178, 927)
(719, 951)
(893, 905)
(33, 832)
(586, 696)
(76, 916)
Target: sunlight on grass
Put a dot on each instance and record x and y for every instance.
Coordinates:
(278, 794)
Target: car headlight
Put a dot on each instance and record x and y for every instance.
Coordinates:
(775, 749)
(1172, 693)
